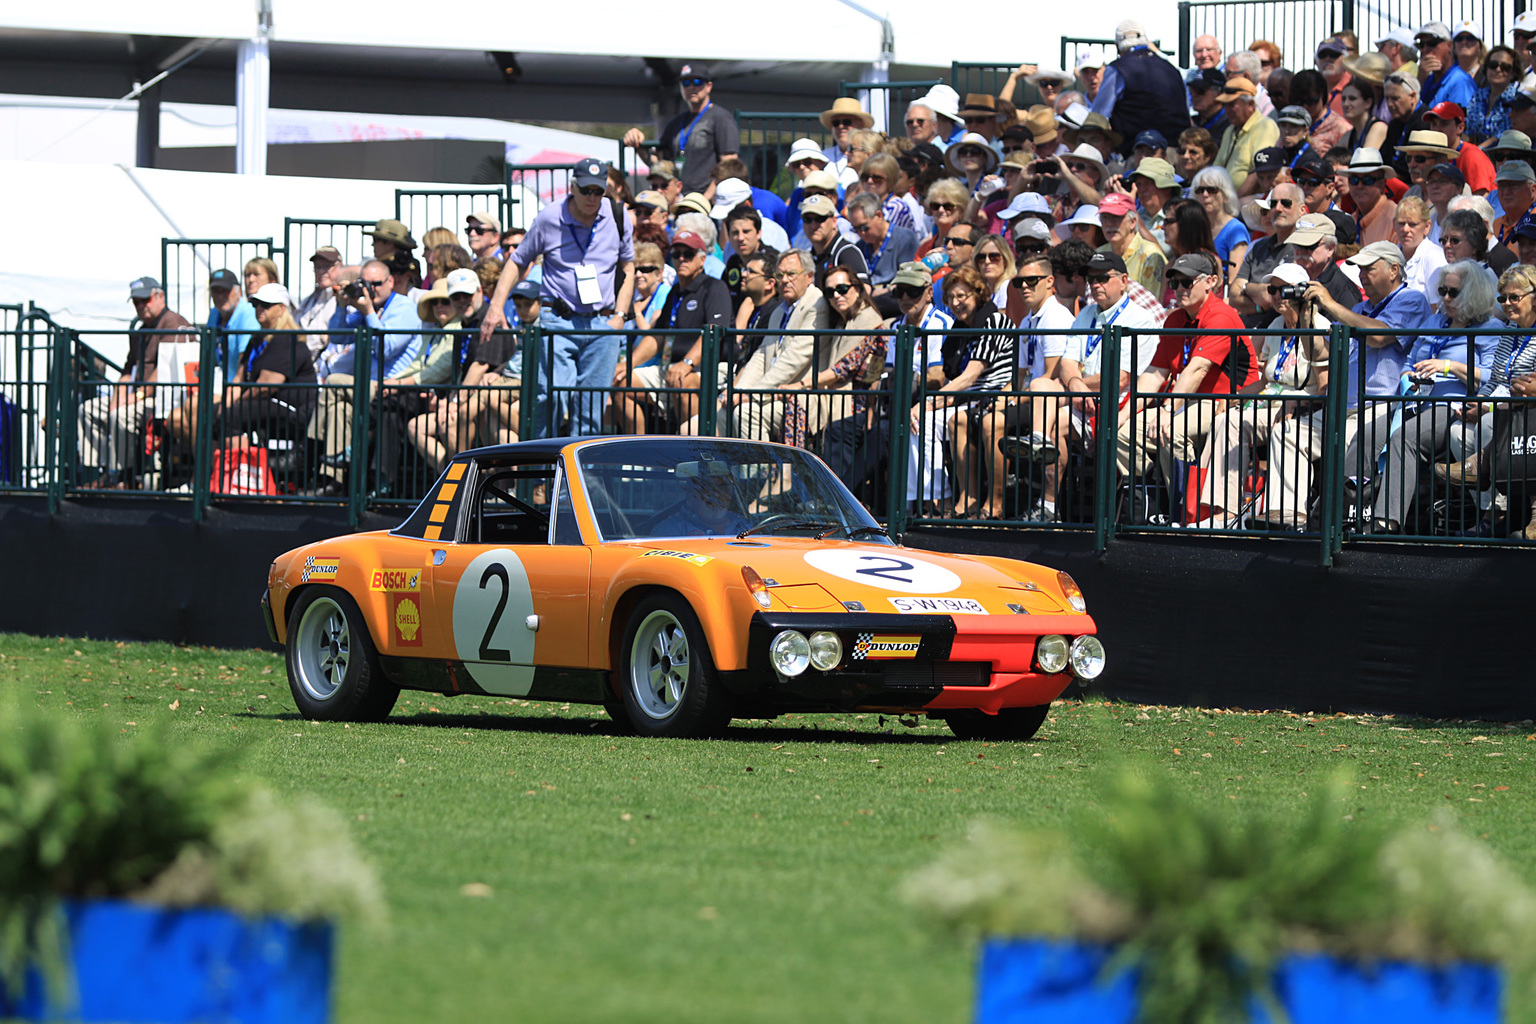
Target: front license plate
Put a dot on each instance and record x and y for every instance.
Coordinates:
(939, 605)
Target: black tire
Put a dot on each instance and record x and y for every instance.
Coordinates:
(1008, 724)
(333, 667)
(658, 700)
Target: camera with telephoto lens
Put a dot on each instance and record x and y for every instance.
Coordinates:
(1291, 293)
(352, 289)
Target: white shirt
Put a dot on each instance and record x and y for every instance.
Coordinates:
(934, 319)
(1035, 348)
(1420, 270)
(1085, 350)
(837, 161)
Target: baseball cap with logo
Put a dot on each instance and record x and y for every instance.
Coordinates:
(1193, 264)
(818, 206)
(326, 252)
(689, 240)
(1433, 30)
(822, 179)
(1026, 202)
(143, 288)
(1313, 166)
(1116, 204)
(1270, 158)
(1516, 171)
(1104, 261)
(587, 173)
(1311, 229)
(914, 274)
(1031, 227)
(526, 290)
(650, 197)
(223, 279)
(1378, 251)
(694, 70)
(1294, 114)
(1525, 23)
(462, 282)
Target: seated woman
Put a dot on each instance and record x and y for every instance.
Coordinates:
(435, 367)
(1295, 367)
(1438, 365)
(972, 365)
(252, 403)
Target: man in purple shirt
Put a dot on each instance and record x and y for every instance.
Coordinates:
(587, 282)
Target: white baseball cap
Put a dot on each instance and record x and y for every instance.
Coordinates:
(1290, 273)
(1467, 27)
(1089, 59)
(728, 195)
(463, 282)
(1525, 23)
(273, 293)
(1401, 35)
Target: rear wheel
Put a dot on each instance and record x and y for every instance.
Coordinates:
(333, 667)
(1008, 724)
(666, 674)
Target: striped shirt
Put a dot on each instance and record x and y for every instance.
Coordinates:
(1505, 368)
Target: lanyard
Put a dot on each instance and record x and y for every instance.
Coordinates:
(1439, 345)
(1376, 309)
(1514, 356)
(682, 138)
(874, 260)
(1510, 225)
(1093, 342)
(252, 356)
(1286, 347)
(591, 233)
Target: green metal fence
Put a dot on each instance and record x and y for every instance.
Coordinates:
(424, 209)
(892, 97)
(187, 263)
(766, 139)
(302, 236)
(990, 79)
(529, 187)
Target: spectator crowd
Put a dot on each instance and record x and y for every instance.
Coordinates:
(1221, 218)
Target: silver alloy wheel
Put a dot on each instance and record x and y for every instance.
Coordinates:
(323, 643)
(658, 664)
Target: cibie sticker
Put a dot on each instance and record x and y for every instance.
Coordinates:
(877, 645)
(320, 569)
(407, 618)
(937, 605)
(395, 581)
(888, 572)
(686, 556)
(491, 605)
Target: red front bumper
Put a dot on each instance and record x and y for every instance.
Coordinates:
(1008, 643)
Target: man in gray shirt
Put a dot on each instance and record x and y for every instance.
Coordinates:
(587, 283)
(699, 137)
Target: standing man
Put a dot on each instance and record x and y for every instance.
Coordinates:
(587, 282)
(1141, 90)
(696, 139)
(1442, 78)
(110, 426)
(315, 312)
(1250, 131)
(483, 231)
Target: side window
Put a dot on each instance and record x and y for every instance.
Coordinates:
(566, 529)
(512, 507)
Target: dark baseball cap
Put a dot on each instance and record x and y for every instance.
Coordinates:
(143, 288)
(223, 279)
(1271, 158)
(1344, 227)
(694, 69)
(1206, 78)
(526, 290)
(1526, 228)
(1104, 261)
(928, 153)
(1449, 171)
(1193, 264)
(589, 172)
(1313, 166)
(1152, 138)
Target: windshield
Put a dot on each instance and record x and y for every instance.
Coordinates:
(707, 487)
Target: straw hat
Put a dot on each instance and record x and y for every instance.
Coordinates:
(424, 304)
(1369, 67)
(971, 139)
(847, 106)
(1427, 142)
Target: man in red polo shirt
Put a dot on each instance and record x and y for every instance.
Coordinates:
(1449, 118)
(1197, 363)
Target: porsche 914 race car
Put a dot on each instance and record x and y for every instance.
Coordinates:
(679, 582)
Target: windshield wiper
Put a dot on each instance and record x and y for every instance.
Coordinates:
(854, 531)
(775, 523)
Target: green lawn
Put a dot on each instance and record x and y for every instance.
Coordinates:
(745, 879)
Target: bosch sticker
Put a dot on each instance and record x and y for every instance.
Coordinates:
(320, 569)
(937, 605)
(897, 571)
(871, 646)
(406, 615)
(686, 556)
(395, 581)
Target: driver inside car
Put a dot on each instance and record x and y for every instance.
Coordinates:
(710, 505)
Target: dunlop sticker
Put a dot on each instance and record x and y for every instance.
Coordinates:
(879, 645)
(395, 581)
(316, 568)
(407, 620)
(686, 556)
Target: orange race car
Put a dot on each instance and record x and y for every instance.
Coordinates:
(679, 582)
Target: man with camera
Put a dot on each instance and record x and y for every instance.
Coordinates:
(1286, 203)
(1389, 307)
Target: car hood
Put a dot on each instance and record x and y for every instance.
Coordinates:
(807, 574)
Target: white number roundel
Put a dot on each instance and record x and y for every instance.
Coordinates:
(491, 606)
(897, 571)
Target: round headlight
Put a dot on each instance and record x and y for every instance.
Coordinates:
(826, 650)
(1051, 654)
(1087, 657)
(790, 652)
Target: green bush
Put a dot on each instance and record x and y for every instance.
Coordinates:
(1204, 897)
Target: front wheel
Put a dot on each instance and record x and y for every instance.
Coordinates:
(333, 667)
(1008, 724)
(666, 674)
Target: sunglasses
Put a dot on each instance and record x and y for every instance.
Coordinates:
(956, 240)
(1364, 182)
(689, 83)
(844, 122)
(912, 122)
(442, 302)
(906, 291)
(1287, 203)
(1448, 293)
(1180, 284)
(523, 300)
(946, 207)
(1207, 190)
(478, 229)
(1509, 297)
(258, 305)
(1098, 278)
(1422, 158)
(1499, 65)
(1024, 281)
(978, 118)
(1031, 248)
(873, 177)
(371, 285)
(649, 268)
(591, 190)
(970, 151)
(813, 218)
(868, 225)
(1276, 289)
(1076, 167)
(1451, 240)
(841, 289)
(682, 254)
(988, 257)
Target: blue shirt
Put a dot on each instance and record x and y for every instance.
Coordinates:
(771, 207)
(1235, 233)
(1454, 347)
(1407, 309)
(243, 319)
(566, 243)
(1450, 83)
(402, 339)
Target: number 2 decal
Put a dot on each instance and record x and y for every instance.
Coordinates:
(487, 652)
(886, 572)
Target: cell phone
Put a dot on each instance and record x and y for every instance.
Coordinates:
(1043, 167)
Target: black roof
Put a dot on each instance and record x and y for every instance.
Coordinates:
(549, 446)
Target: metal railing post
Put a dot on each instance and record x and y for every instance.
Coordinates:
(62, 416)
(1184, 26)
(709, 381)
(1336, 410)
(1106, 436)
(357, 451)
(533, 340)
(202, 440)
(901, 414)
